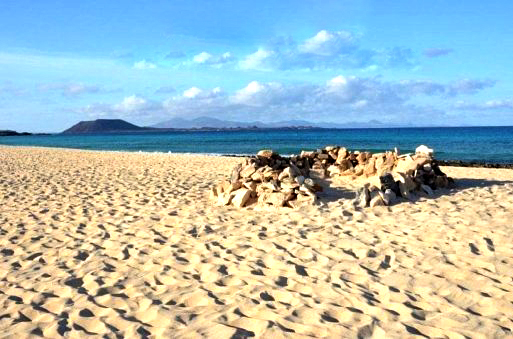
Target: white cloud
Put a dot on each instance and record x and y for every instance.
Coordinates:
(192, 92)
(260, 60)
(328, 43)
(205, 58)
(341, 98)
(143, 64)
(257, 94)
(131, 104)
(202, 58)
(325, 50)
(505, 104)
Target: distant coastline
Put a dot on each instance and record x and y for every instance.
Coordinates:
(120, 126)
(10, 133)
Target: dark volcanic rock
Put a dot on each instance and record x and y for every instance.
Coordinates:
(103, 126)
(8, 133)
(460, 163)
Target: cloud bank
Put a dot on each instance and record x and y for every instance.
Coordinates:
(340, 99)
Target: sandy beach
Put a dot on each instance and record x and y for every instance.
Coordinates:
(105, 243)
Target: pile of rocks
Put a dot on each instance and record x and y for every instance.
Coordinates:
(417, 174)
(268, 179)
(338, 161)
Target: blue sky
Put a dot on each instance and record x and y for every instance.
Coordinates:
(401, 62)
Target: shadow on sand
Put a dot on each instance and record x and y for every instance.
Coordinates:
(332, 194)
(461, 185)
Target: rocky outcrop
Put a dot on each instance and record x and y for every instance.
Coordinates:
(417, 174)
(269, 179)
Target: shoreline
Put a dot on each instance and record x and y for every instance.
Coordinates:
(446, 163)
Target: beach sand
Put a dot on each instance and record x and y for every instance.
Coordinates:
(129, 244)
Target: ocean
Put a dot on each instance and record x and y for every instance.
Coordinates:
(479, 144)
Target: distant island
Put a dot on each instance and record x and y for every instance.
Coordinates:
(9, 133)
(103, 126)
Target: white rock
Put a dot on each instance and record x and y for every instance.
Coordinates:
(266, 153)
(334, 169)
(423, 149)
(241, 197)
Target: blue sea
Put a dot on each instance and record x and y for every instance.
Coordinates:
(480, 144)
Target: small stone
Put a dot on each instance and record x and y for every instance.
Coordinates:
(345, 164)
(342, 154)
(248, 171)
(304, 189)
(287, 185)
(427, 167)
(380, 164)
(257, 176)
(310, 155)
(370, 168)
(389, 197)
(309, 183)
(334, 170)
(289, 172)
(224, 198)
(362, 157)
(236, 173)
(229, 187)
(241, 197)
(330, 148)
(276, 199)
(408, 183)
(333, 155)
(323, 156)
(251, 185)
(377, 201)
(362, 197)
(358, 170)
(388, 182)
(390, 161)
(266, 153)
(269, 186)
(300, 179)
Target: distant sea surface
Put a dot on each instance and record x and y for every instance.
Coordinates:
(480, 144)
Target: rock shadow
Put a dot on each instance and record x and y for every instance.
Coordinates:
(460, 185)
(331, 193)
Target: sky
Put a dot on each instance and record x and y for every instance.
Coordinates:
(406, 62)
